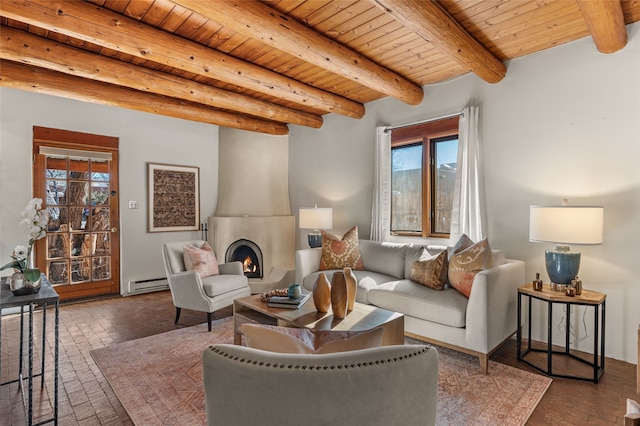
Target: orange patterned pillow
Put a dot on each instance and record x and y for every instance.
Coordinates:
(341, 253)
(466, 262)
(202, 260)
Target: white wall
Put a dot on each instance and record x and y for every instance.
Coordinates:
(564, 123)
(143, 138)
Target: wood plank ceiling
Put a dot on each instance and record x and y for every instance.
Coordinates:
(261, 65)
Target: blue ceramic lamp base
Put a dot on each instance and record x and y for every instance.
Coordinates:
(562, 265)
(315, 239)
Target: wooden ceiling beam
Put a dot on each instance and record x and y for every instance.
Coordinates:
(19, 46)
(261, 22)
(39, 80)
(605, 21)
(434, 24)
(108, 29)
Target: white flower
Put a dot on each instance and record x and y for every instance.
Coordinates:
(36, 219)
(42, 218)
(20, 252)
(31, 209)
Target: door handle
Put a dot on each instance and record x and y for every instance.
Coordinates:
(114, 229)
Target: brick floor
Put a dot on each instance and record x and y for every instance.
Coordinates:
(86, 398)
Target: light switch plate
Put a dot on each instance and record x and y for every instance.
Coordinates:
(133, 204)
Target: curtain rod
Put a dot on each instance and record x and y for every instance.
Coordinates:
(389, 128)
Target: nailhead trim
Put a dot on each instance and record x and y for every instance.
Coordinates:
(419, 352)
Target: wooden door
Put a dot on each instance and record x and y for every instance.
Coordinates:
(76, 175)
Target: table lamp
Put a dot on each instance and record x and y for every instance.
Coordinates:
(564, 225)
(316, 218)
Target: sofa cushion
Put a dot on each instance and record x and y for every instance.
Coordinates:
(430, 270)
(366, 280)
(463, 242)
(200, 259)
(305, 341)
(413, 251)
(466, 261)
(447, 307)
(220, 284)
(385, 258)
(339, 253)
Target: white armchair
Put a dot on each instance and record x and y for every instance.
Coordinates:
(189, 291)
(386, 385)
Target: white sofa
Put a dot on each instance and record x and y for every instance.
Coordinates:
(386, 385)
(477, 325)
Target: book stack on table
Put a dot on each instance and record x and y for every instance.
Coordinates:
(288, 303)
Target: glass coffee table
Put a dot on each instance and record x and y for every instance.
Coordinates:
(363, 317)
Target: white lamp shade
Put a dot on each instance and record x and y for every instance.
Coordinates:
(316, 218)
(566, 224)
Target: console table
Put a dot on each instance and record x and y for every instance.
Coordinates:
(45, 297)
(587, 298)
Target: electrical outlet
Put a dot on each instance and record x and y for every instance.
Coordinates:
(133, 204)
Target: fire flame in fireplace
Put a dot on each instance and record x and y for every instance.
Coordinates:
(248, 266)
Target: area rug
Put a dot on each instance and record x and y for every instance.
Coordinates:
(158, 380)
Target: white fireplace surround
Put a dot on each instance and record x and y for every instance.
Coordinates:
(253, 204)
(275, 235)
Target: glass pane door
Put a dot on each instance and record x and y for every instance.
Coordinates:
(78, 235)
(76, 175)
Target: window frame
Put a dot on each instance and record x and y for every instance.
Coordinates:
(428, 134)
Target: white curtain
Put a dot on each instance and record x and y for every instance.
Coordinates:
(467, 210)
(381, 206)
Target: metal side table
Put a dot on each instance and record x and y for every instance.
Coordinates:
(587, 298)
(45, 297)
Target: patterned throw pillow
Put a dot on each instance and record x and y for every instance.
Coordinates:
(291, 340)
(430, 270)
(341, 253)
(463, 242)
(466, 262)
(202, 260)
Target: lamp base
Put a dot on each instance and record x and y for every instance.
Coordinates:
(562, 266)
(315, 239)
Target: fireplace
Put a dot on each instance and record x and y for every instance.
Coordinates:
(253, 207)
(272, 240)
(249, 254)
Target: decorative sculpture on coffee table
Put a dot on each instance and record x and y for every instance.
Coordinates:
(352, 288)
(322, 293)
(339, 295)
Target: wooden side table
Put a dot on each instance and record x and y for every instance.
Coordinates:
(587, 298)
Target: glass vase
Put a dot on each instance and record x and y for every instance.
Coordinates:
(21, 285)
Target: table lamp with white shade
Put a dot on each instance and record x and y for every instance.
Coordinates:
(315, 218)
(564, 225)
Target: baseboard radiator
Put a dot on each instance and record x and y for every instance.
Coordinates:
(147, 285)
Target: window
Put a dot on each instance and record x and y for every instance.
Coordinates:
(423, 171)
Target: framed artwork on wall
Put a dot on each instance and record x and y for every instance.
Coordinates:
(174, 198)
